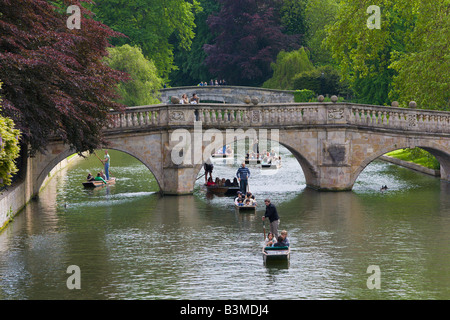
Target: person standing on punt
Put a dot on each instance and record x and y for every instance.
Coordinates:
(272, 214)
(243, 174)
(106, 162)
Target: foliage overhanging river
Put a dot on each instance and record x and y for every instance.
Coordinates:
(130, 243)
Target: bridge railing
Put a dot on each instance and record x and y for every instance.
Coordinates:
(224, 116)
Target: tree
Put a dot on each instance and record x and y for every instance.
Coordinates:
(150, 24)
(293, 16)
(248, 38)
(287, 65)
(55, 83)
(422, 69)
(190, 63)
(406, 59)
(318, 15)
(322, 80)
(9, 149)
(143, 87)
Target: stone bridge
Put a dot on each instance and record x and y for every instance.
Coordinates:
(229, 94)
(333, 142)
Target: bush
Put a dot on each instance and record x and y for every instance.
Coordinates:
(9, 149)
(304, 95)
(287, 65)
(323, 80)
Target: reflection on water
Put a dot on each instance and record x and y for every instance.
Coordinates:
(130, 243)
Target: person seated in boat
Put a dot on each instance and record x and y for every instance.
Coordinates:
(102, 175)
(222, 182)
(235, 182)
(253, 200)
(228, 183)
(284, 239)
(248, 203)
(239, 197)
(240, 203)
(90, 177)
(270, 240)
(99, 178)
(279, 242)
(217, 181)
(210, 182)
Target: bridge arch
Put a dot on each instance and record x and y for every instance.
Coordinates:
(44, 164)
(434, 148)
(294, 146)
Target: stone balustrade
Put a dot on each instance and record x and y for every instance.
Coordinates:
(222, 116)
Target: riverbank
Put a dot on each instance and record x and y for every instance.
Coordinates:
(17, 196)
(411, 165)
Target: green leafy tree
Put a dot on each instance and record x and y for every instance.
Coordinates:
(293, 16)
(406, 59)
(322, 80)
(287, 65)
(143, 87)
(423, 67)
(364, 54)
(9, 149)
(318, 15)
(191, 68)
(150, 24)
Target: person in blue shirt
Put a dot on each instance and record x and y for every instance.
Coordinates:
(243, 174)
(106, 162)
(284, 239)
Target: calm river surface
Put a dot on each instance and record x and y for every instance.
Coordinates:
(130, 243)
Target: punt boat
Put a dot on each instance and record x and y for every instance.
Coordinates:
(97, 184)
(276, 253)
(245, 209)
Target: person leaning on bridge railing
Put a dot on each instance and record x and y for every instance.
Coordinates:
(195, 99)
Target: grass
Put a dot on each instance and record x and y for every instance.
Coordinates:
(417, 156)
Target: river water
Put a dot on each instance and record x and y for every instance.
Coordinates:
(130, 243)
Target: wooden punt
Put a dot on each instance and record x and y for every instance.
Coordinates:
(97, 184)
(223, 155)
(229, 191)
(245, 209)
(270, 166)
(252, 161)
(276, 253)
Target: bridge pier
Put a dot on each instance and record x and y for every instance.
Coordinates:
(178, 180)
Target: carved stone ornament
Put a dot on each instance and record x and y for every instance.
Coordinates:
(412, 120)
(177, 116)
(336, 113)
(256, 115)
(337, 153)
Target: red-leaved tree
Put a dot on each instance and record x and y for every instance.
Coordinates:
(55, 83)
(248, 38)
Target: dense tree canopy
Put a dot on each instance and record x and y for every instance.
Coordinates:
(55, 82)
(406, 59)
(142, 89)
(286, 67)
(248, 38)
(150, 24)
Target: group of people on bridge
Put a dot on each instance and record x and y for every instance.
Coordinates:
(193, 100)
(213, 83)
